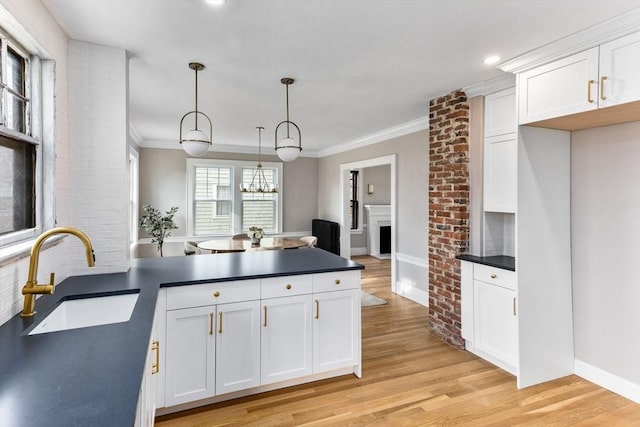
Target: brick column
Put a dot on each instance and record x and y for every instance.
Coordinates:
(448, 211)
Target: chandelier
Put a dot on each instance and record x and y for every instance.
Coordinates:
(195, 141)
(259, 183)
(288, 148)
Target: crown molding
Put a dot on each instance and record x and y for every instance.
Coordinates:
(222, 148)
(505, 81)
(593, 36)
(134, 135)
(412, 126)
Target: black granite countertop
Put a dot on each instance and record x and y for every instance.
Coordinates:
(92, 376)
(498, 261)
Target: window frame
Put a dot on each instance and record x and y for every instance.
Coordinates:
(39, 131)
(236, 195)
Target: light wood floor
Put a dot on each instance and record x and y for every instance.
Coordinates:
(410, 378)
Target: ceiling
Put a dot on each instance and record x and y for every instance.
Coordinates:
(360, 66)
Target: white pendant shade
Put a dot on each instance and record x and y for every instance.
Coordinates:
(195, 143)
(288, 149)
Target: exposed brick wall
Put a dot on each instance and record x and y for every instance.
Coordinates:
(448, 211)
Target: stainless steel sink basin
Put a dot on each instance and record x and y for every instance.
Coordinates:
(85, 312)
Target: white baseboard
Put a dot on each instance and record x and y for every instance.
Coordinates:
(468, 345)
(410, 259)
(412, 293)
(607, 380)
(358, 251)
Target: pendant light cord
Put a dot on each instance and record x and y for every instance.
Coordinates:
(287, 110)
(196, 70)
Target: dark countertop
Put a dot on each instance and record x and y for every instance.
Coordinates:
(92, 376)
(498, 261)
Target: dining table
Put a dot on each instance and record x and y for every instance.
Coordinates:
(245, 245)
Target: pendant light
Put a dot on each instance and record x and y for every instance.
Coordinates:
(288, 149)
(195, 141)
(259, 183)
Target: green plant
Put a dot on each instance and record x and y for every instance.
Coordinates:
(157, 226)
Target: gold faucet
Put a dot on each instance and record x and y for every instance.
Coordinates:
(31, 288)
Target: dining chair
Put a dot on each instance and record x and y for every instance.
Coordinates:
(191, 248)
(311, 241)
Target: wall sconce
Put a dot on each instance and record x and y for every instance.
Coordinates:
(369, 189)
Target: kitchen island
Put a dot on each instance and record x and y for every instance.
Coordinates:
(92, 376)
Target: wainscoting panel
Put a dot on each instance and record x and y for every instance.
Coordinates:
(413, 278)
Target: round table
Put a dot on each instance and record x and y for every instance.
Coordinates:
(266, 243)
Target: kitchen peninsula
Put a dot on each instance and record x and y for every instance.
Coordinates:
(93, 376)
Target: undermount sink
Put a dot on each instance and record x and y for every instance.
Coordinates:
(90, 311)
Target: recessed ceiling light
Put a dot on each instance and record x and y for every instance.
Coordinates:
(490, 60)
(216, 2)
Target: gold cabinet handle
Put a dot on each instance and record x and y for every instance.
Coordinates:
(602, 95)
(589, 83)
(264, 308)
(288, 286)
(514, 306)
(220, 322)
(494, 275)
(155, 367)
(317, 309)
(216, 294)
(210, 323)
(337, 281)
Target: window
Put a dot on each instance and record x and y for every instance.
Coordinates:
(216, 206)
(353, 202)
(22, 198)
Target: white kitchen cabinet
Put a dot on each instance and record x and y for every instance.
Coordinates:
(500, 172)
(147, 398)
(286, 338)
(602, 76)
(237, 346)
(190, 353)
(336, 338)
(500, 113)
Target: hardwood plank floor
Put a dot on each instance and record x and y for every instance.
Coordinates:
(411, 378)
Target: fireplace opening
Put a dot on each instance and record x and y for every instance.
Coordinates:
(385, 239)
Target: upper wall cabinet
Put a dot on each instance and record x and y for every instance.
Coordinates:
(600, 77)
(500, 113)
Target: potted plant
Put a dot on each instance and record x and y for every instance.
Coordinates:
(157, 226)
(255, 234)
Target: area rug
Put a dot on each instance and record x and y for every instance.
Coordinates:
(368, 300)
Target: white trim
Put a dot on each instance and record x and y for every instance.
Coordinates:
(221, 148)
(413, 260)
(135, 135)
(414, 294)
(607, 380)
(468, 345)
(345, 235)
(490, 86)
(358, 251)
(406, 128)
(596, 35)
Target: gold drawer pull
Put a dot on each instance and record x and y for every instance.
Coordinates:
(155, 367)
(589, 83)
(216, 294)
(288, 286)
(602, 95)
(220, 322)
(514, 306)
(210, 323)
(265, 315)
(317, 309)
(494, 275)
(337, 281)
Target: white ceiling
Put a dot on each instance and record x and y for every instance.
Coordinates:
(360, 66)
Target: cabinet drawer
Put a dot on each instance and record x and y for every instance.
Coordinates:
(325, 282)
(275, 287)
(212, 293)
(496, 276)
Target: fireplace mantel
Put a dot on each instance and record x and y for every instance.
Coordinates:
(377, 216)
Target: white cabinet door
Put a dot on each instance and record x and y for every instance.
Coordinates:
(237, 346)
(620, 71)
(500, 171)
(286, 338)
(495, 322)
(500, 113)
(190, 353)
(563, 87)
(336, 323)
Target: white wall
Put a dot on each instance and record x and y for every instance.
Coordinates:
(605, 210)
(412, 203)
